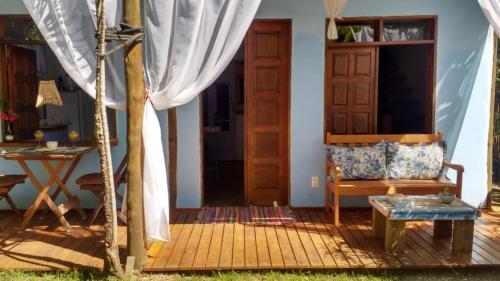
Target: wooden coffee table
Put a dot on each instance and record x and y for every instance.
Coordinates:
(450, 220)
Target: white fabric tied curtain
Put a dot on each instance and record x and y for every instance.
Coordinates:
(188, 44)
(333, 9)
(491, 9)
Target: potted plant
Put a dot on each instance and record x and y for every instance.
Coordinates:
(446, 196)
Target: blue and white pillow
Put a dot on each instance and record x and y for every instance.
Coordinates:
(369, 162)
(359, 162)
(424, 161)
(342, 158)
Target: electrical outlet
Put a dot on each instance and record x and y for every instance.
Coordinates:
(315, 182)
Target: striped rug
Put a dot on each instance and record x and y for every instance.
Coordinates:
(246, 215)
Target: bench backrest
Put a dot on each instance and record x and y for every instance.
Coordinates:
(365, 140)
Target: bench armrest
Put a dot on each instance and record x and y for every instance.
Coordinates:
(460, 170)
(456, 167)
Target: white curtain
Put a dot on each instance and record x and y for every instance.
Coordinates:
(188, 43)
(491, 9)
(333, 9)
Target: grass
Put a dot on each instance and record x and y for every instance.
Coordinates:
(427, 275)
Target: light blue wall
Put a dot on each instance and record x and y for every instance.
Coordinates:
(25, 194)
(12, 7)
(464, 63)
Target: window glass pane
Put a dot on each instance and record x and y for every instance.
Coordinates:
(21, 29)
(358, 33)
(406, 31)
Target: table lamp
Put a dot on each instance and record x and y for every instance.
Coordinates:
(48, 94)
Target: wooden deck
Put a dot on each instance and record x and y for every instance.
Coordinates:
(311, 243)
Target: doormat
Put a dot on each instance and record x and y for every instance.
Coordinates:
(246, 215)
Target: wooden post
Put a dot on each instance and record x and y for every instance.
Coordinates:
(102, 133)
(172, 156)
(135, 110)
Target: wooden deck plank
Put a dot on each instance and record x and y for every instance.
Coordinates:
(335, 251)
(213, 257)
(180, 246)
(239, 246)
(200, 258)
(356, 247)
(191, 247)
(166, 248)
(319, 244)
(298, 251)
(226, 253)
(348, 253)
(274, 247)
(263, 257)
(251, 260)
(289, 260)
(311, 251)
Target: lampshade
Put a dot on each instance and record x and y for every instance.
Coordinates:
(48, 94)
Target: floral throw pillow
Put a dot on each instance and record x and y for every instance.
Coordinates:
(369, 162)
(415, 162)
(341, 157)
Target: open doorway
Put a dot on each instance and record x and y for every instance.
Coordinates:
(223, 136)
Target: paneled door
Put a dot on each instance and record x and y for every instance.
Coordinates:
(267, 105)
(350, 91)
(23, 88)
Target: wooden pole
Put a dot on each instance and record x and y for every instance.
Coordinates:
(112, 260)
(172, 156)
(135, 109)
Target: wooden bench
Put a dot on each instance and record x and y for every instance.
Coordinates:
(339, 187)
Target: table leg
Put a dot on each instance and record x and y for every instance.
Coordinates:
(73, 201)
(69, 172)
(443, 228)
(42, 197)
(395, 235)
(378, 223)
(463, 234)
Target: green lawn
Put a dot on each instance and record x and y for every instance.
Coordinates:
(442, 275)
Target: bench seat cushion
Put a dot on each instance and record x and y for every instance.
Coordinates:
(382, 187)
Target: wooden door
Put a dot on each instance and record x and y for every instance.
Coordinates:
(350, 91)
(267, 104)
(23, 90)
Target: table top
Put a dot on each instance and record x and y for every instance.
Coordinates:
(427, 207)
(35, 153)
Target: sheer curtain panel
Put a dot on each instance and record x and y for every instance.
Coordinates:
(491, 9)
(333, 9)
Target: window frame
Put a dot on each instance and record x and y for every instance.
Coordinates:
(379, 41)
(4, 89)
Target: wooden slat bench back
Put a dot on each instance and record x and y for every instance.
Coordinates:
(365, 140)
